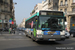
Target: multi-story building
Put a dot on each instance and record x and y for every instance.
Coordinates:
(46, 5)
(50, 5)
(36, 8)
(22, 25)
(6, 13)
(68, 7)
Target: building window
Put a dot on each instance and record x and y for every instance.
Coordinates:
(0, 9)
(61, 3)
(73, 1)
(45, 5)
(49, 1)
(5, 16)
(65, 11)
(0, 16)
(45, 0)
(65, 2)
(36, 8)
(60, 9)
(5, 0)
(73, 9)
(6, 8)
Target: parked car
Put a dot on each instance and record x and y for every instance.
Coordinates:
(20, 29)
(67, 34)
(24, 29)
(72, 31)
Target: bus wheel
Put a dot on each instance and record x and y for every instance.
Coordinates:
(26, 35)
(73, 35)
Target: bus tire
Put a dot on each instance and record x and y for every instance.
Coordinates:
(26, 35)
(73, 35)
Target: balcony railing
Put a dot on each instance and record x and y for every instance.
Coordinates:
(73, 4)
(71, 13)
(1, 1)
(64, 5)
(4, 11)
(4, 3)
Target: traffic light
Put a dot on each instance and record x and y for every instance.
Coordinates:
(12, 22)
(10, 18)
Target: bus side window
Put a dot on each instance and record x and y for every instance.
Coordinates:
(35, 20)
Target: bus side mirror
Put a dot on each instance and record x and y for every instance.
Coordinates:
(36, 19)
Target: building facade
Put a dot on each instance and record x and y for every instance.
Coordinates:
(50, 5)
(36, 9)
(68, 7)
(13, 14)
(45, 5)
(6, 13)
(22, 25)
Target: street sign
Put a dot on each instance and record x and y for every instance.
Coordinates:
(10, 20)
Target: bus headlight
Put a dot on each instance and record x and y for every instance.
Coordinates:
(62, 32)
(40, 32)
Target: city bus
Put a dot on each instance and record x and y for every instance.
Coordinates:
(46, 26)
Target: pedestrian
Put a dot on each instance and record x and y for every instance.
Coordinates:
(66, 29)
(0, 31)
(10, 30)
(14, 30)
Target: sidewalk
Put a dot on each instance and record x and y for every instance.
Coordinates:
(5, 32)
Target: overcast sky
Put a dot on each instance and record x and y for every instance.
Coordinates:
(23, 8)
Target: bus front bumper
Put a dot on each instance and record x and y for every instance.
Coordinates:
(50, 38)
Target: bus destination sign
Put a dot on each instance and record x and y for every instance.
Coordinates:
(52, 13)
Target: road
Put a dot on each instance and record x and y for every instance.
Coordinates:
(19, 41)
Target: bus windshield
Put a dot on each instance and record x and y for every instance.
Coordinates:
(54, 23)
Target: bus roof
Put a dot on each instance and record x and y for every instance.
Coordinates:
(37, 14)
(33, 16)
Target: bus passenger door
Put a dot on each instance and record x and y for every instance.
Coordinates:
(35, 27)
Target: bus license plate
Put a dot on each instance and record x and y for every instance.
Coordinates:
(51, 32)
(51, 39)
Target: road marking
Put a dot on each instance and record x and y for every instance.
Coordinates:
(14, 39)
(7, 34)
(72, 35)
(23, 33)
(20, 34)
(72, 38)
